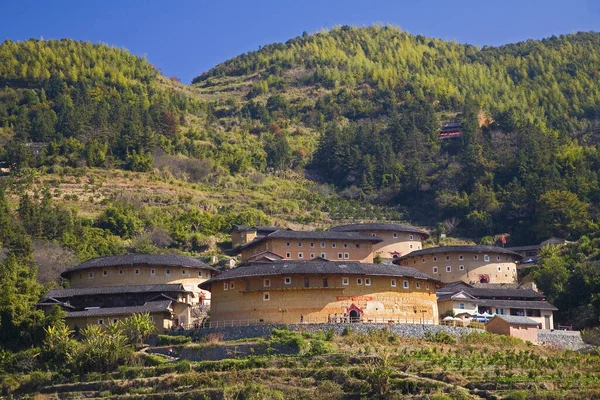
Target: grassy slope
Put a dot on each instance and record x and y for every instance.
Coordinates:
(375, 365)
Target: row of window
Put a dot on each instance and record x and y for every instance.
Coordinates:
(340, 256)
(461, 257)
(345, 281)
(137, 271)
(462, 268)
(323, 245)
(114, 320)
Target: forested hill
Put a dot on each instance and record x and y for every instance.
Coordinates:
(527, 162)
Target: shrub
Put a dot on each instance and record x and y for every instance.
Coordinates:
(440, 337)
(167, 340)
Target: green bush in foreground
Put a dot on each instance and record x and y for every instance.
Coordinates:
(166, 340)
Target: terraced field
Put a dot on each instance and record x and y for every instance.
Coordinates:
(352, 366)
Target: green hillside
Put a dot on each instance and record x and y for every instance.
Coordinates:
(102, 154)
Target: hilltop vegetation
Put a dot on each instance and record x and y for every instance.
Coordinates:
(106, 155)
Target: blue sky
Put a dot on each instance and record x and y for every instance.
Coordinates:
(185, 37)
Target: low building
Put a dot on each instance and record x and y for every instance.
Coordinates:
(306, 245)
(241, 234)
(531, 253)
(321, 291)
(142, 269)
(397, 239)
(520, 327)
(168, 304)
(485, 264)
(500, 299)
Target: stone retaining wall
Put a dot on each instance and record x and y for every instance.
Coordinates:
(404, 330)
(563, 339)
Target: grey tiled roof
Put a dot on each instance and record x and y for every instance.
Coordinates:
(317, 267)
(524, 304)
(512, 319)
(316, 235)
(379, 227)
(494, 291)
(255, 227)
(460, 249)
(127, 260)
(66, 293)
(149, 307)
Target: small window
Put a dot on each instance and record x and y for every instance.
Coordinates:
(411, 237)
(410, 245)
(418, 285)
(461, 306)
(104, 273)
(300, 255)
(448, 268)
(461, 267)
(340, 256)
(508, 268)
(427, 286)
(287, 280)
(475, 257)
(323, 255)
(486, 258)
(152, 272)
(306, 281)
(199, 274)
(447, 258)
(114, 321)
(497, 258)
(288, 255)
(266, 296)
(231, 285)
(461, 257)
(312, 255)
(225, 285)
(100, 322)
(345, 245)
(423, 260)
(392, 282)
(137, 271)
(167, 272)
(183, 272)
(499, 269)
(152, 318)
(312, 244)
(120, 272)
(367, 281)
(395, 235)
(357, 245)
(405, 284)
(299, 244)
(90, 275)
(322, 244)
(435, 270)
(345, 281)
(372, 234)
(434, 259)
(359, 281)
(287, 244)
(333, 245)
(266, 282)
(346, 256)
(325, 283)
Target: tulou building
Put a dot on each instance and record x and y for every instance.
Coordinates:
(106, 289)
(396, 239)
(470, 264)
(318, 291)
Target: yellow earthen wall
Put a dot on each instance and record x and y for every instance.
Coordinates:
(402, 243)
(503, 270)
(245, 301)
(190, 278)
(297, 247)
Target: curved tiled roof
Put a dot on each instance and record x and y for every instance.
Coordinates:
(459, 249)
(316, 235)
(379, 227)
(317, 267)
(149, 307)
(129, 260)
(108, 290)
